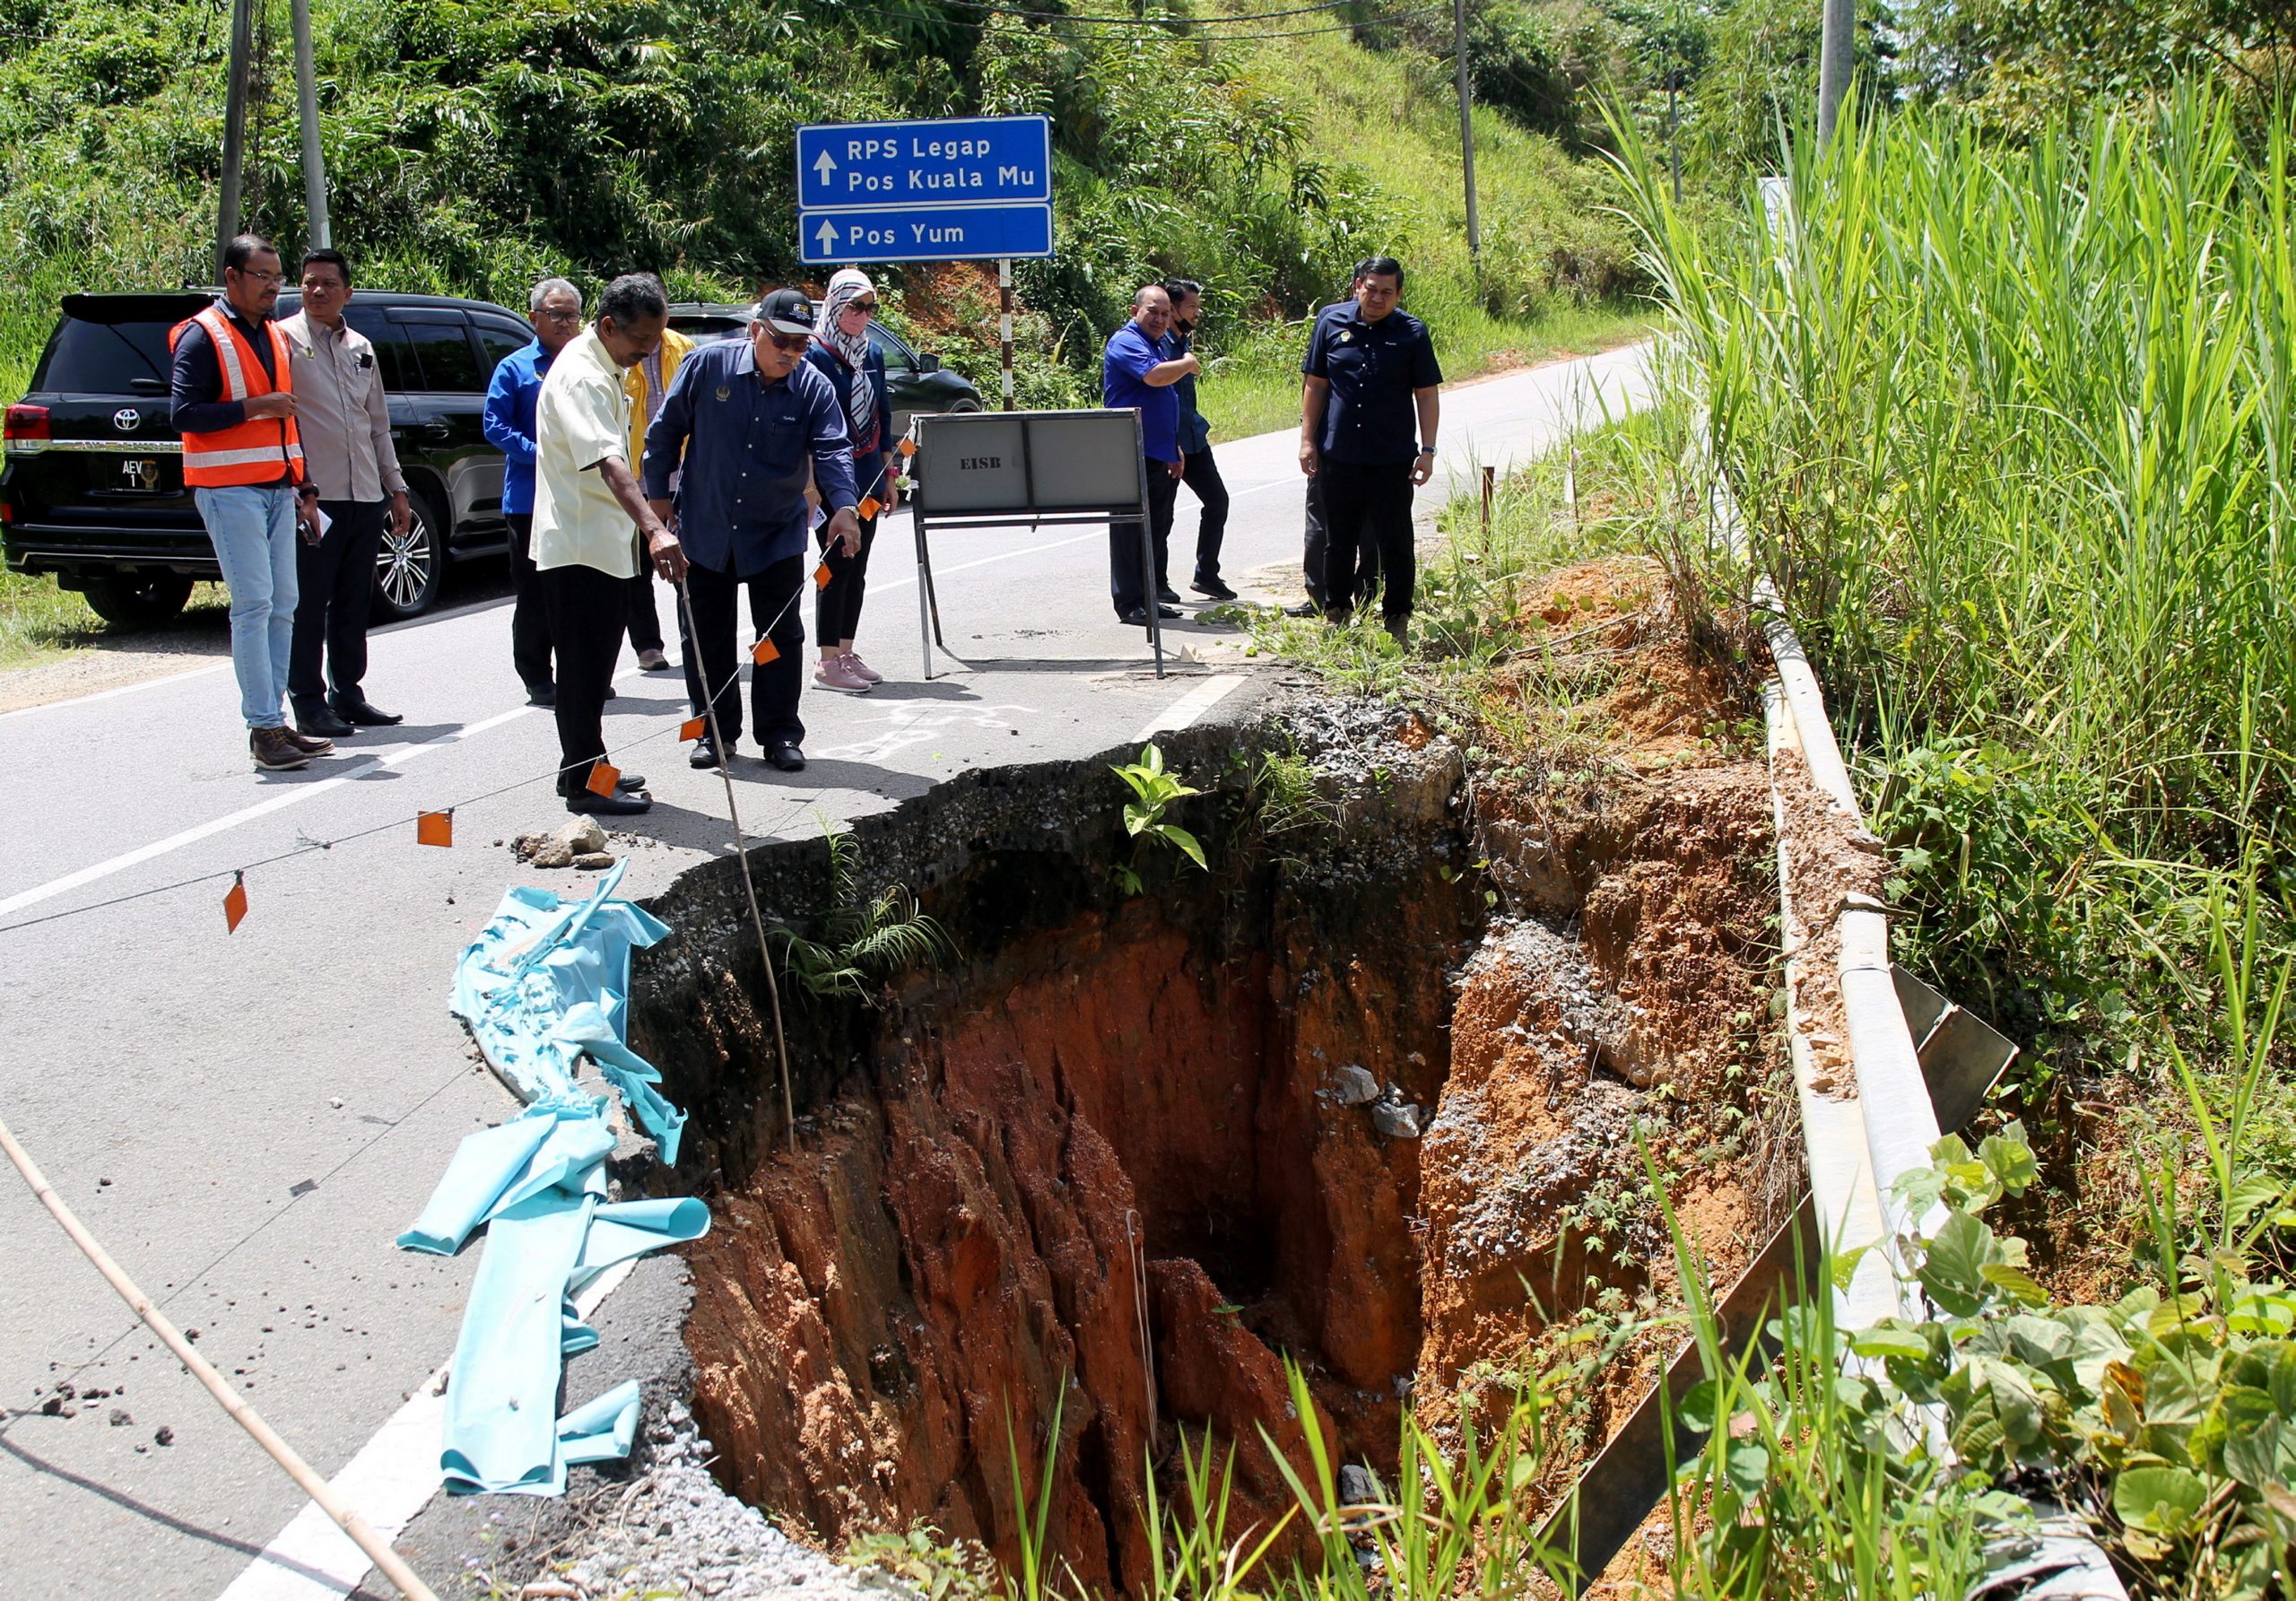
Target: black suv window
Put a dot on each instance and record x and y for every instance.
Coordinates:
(397, 362)
(496, 340)
(449, 366)
(108, 358)
(898, 356)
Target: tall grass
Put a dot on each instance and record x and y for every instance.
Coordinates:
(2015, 430)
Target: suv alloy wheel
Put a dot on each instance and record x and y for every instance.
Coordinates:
(408, 571)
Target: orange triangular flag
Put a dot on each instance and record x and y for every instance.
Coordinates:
(235, 904)
(821, 576)
(870, 507)
(693, 728)
(764, 651)
(434, 828)
(907, 448)
(603, 777)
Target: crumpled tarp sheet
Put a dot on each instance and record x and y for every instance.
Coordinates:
(546, 983)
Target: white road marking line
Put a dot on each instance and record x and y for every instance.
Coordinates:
(117, 690)
(943, 572)
(390, 1481)
(294, 796)
(1191, 706)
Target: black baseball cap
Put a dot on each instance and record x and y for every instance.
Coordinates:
(787, 310)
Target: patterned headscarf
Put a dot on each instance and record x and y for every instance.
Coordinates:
(849, 284)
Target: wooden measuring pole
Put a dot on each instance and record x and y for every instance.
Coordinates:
(378, 1549)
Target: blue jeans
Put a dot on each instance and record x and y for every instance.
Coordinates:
(253, 530)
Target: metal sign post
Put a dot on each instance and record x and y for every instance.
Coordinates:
(1027, 469)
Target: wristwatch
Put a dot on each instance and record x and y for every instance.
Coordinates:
(1427, 450)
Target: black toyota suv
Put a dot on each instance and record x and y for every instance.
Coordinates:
(92, 490)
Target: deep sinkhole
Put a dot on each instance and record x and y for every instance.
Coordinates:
(1087, 1186)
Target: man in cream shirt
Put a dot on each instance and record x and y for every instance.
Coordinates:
(586, 498)
(345, 425)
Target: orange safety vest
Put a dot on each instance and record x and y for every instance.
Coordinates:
(255, 450)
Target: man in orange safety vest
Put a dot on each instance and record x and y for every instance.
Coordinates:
(233, 401)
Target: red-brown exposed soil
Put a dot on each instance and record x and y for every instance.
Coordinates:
(1122, 1152)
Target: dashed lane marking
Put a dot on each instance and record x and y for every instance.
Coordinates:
(1191, 706)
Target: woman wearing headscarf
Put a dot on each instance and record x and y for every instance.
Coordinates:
(855, 369)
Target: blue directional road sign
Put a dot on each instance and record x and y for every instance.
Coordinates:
(925, 233)
(963, 188)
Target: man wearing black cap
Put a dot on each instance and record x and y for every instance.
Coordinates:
(743, 417)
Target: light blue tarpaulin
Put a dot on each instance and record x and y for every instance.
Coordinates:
(545, 984)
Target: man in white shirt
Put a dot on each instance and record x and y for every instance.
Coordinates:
(345, 424)
(586, 498)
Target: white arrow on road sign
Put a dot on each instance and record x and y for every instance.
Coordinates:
(824, 166)
(828, 236)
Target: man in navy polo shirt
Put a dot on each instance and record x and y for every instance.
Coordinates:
(1367, 414)
(1134, 376)
(743, 421)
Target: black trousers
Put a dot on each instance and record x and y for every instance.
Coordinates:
(837, 607)
(645, 620)
(1367, 554)
(774, 612)
(530, 637)
(586, 609)
(336, 581)
(1126, 585)
(1203, 481)
(1368, 503)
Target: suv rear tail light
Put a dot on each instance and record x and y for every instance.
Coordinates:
(27, 423)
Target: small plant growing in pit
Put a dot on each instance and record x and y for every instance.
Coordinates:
(1154, 792)
(866, 940)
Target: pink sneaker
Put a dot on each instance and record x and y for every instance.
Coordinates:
(860, 669)
(833, 674)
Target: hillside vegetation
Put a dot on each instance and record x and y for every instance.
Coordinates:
(473, 147)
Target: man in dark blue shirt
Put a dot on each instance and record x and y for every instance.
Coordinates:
(508, 422)
(1199, 472)
(1135, 376)
(747, 417)
(1367, 414)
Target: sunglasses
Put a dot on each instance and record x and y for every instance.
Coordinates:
(791, 344)
(861, 306)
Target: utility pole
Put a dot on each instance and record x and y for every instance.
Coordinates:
(1835, 52)
(1466, 122)
(235, 127)
(306, 93)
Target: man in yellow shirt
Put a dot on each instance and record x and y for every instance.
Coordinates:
(646, 384)
(585, 499)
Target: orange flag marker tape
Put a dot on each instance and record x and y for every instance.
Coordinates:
(603, 777)
(907, 448)
(765, 651)
(235, 904)
(869, 508)
(693, 728)
(434, 828)
(821, 576)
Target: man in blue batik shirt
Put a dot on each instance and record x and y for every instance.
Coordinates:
(1135, 376)
(746, 417)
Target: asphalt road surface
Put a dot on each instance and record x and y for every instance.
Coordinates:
(247, 1120)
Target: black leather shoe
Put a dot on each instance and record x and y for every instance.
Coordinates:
(542, 694)
(704, 754)
(630, 782)
(363, 711)
(321, 723)
(789, 759)
(1306, 608)
(1212, 587)
(1166, 610)
(1165, 593)
(589, 802)
(1137, 617)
